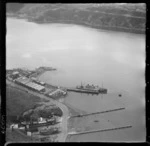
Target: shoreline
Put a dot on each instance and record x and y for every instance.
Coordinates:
(71, 112)
(67, 109)
(98, 27)
(70, 123)
(64, 109)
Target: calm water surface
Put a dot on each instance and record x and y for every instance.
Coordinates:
(91, 56)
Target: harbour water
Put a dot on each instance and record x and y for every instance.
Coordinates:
(90, 56)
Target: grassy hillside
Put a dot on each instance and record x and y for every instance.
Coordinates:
(17, 102)
(120, 17)
(14, 7)
(16, 136)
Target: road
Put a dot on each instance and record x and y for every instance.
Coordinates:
(63, 135)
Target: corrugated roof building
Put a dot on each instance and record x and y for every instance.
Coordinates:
(26, 82)
(35, 86)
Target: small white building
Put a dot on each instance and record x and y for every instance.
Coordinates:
(22, 128)
(15, 126)
(41, 120)
(59, 119)
(15, 73)
(29, 133)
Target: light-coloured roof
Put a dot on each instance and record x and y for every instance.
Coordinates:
(23, 80)
(57, 90)
(15, 72)
(42, 82)
(35, 86)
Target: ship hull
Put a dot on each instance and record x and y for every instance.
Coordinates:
(83, 91)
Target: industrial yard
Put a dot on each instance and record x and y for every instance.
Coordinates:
(41, 120)
(25, 78)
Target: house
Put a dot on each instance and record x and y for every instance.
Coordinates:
(22, 127)
(15, 126)
(29, 133)
(59, 119)
(41, 120)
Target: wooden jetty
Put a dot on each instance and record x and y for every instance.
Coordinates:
(112, 110)
(100, 130)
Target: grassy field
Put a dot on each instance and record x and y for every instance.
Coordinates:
(18, 101)
(16, 136)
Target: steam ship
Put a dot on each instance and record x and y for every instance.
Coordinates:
(89, 89)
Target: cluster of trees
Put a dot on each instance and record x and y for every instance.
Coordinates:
(33, 116)
(50, 112)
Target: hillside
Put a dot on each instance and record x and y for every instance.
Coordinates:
(118, 17)
(17, 102)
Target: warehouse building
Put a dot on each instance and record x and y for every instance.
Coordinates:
(39, 82)
(22, 81)
(27, 83)
(35, 86)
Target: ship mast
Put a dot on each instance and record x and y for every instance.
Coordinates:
(102, 89)
(81, 84)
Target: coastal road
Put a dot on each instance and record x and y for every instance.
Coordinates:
(63, 135)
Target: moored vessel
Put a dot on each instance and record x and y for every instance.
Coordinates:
(88, 89)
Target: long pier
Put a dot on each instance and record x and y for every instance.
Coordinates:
(100, 130)
(97, 112)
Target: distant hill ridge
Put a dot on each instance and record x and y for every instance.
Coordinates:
(118, 17)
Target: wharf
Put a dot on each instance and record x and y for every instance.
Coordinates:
(83, 91)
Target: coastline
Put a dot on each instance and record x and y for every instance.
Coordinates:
(64, 109)
(140, 31)
(72, 111)
(70, 122)
(68, 110)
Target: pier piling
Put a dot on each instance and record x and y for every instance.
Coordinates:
(100, 130)
(112, 110)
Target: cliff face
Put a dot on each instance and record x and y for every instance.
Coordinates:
(120, 17)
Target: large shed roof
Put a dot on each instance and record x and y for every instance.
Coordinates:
(35, 86)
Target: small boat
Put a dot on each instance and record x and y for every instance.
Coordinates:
(120, 95)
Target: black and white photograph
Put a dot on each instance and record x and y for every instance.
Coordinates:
(75, 72)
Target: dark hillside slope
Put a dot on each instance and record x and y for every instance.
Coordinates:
(14, 7)
(118, 17)
(17, 102)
